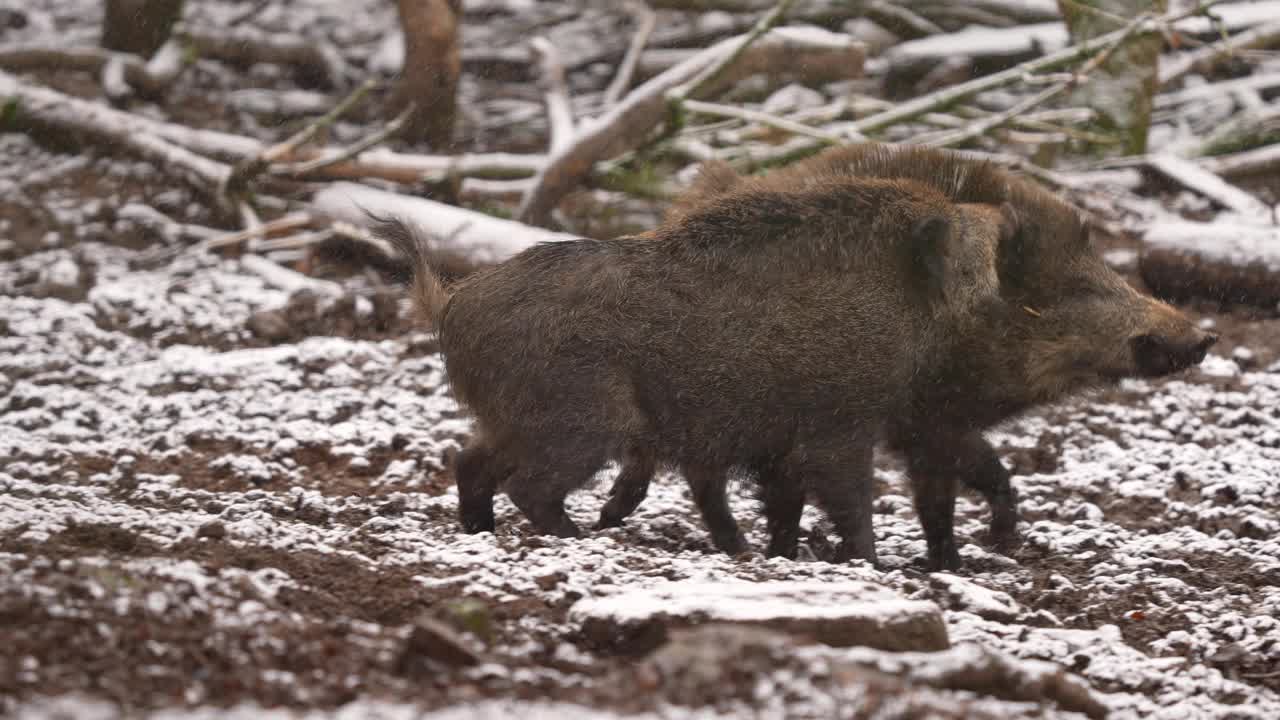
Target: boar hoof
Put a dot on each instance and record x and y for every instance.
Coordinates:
(849, 551)
(473, 524)
(784, 549)
(943, 562)
(731, 545)
(1004, 540)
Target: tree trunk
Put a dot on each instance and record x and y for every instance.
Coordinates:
(432, 62)
(1122, 89)
(139, 26)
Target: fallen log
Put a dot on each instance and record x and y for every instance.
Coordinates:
(478, 237)
(1226, 261)
(1194, 177)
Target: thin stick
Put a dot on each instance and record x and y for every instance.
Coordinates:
(947, 97)
(304, 136)
(981, 127)
(289, 222)
(555, 92)
(299, 170)
(646, 18)
(709, 74)
(763, 118)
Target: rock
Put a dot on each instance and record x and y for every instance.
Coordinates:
(969, 596)
(269, 325)
(432, 641)
(838, 614)
(214, 530)
(1223, 261)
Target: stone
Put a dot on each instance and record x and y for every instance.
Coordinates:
(842, 614)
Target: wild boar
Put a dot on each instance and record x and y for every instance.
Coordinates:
(774, 330)
(1062, 322)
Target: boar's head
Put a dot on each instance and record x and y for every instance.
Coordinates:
(1076, 321)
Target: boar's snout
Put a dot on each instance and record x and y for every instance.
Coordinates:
(1157, 354)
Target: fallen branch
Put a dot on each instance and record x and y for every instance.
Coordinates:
(170, 230)
(555, 92)
(150, 79)
(290, 281)
(1203, 59)
(1262, 161)
(626, 125)
(481, 238)
(1194, 177)
(51, 110)
(245, 46)
(287, 223)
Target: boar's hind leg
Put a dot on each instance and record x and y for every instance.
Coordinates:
(477, 472)
(782, 491)
(630, 489)
(936, 461)
(708, 487)
(548, 475)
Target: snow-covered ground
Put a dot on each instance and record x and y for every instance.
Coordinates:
(219, 523)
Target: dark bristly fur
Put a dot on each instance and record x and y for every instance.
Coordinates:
(779, 326)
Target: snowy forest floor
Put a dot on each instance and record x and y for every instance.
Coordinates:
(193, 518)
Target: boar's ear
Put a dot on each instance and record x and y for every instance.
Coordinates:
(928, 244)
(1010, 223)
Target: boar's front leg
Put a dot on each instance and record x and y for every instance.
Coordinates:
(937, 461)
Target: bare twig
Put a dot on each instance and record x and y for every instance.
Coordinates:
(287, 223)
(555, 92)
(717, 68)
(986, 124)
(645, 21)
(303, 169)
(290, 145)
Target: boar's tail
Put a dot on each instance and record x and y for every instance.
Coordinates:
(419, 268)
